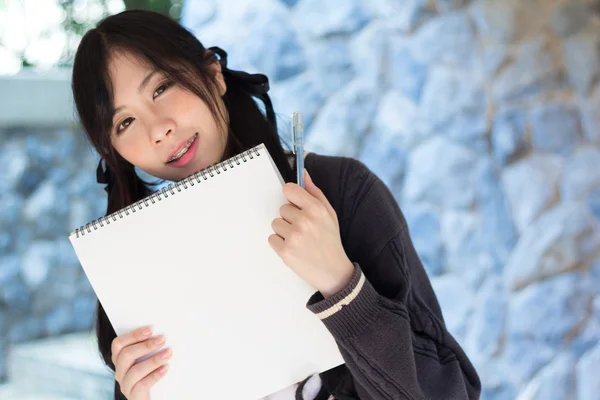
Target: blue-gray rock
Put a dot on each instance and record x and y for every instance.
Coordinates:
(547, 311)
(195, 14)
(590, 118)
(79, 215)
(58, 320)
(25, 328)
(530, 186)
(9, 269)
(535, 70)
(41, 150)
(447, 39)
(449, 5)
(83, 183)
(555, 128)
(274, 48)
(330, 64)
(37, 263)
(502, 392)
(41, 201)
(595, 272)
(84, 311)
(525, 356)
(424, 225)
(3, 361)
(4, 242)
(560, 240)
(3, 358)
(465, 255)
(326, 18)
(398, 118)
(384, 156)
(14, 295)
(582, 60)
(14, 163)
(581, 174)
(589, 335)
(59, 176)
(494, 57)
(497, 19)
(404, 16)
(593, 201)
(508, 135)
(455, 104)
(343, 121)
(10, 212)
(442, 173)
(456, 300)
(555, 381)
(486, 324)
(407, 75)
(568, 17)
(588, 384)
(492, 373)
(368, 51)
(66, 142)
(31, 180)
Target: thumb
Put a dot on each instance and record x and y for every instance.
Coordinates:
(317, 193)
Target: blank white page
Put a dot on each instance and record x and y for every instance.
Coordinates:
(198, 267)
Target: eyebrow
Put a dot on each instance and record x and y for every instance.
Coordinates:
(142, 86)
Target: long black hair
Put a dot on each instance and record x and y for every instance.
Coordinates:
(176, 52)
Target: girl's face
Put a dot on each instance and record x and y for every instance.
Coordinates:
(159, 126)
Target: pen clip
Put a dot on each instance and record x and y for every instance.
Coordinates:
(297, 131)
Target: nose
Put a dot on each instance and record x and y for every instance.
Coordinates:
(160, 129)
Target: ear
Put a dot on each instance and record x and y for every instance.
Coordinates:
(218, 72)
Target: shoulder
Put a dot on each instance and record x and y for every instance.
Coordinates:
(356, 193)
(340, 175)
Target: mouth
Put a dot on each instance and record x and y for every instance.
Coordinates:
(178, 154)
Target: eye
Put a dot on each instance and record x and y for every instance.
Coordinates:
(160, 90)
(123, 125)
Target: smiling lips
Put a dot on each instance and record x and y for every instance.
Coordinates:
(180, 151)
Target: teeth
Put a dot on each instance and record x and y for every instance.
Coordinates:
(184, 149)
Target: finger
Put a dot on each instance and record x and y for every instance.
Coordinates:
(128, 356)
(318, 194)
(289, 212)
(298, 196)
(135, 336)
(277, 243)
(144, 385)
(141, 370)
(281, 227)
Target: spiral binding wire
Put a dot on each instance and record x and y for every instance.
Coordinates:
(172, 189)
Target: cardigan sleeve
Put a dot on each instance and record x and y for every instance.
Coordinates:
(387, 321)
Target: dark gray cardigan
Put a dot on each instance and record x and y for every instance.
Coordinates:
(387, 321)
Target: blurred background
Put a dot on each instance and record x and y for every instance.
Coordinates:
(483, 118)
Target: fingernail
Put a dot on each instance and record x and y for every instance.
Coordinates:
(146, 331)
(163, 370)
(165, 354)
(159, 340)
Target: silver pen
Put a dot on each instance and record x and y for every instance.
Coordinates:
(298, 143)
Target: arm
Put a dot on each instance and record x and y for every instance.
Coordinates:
(387, 321)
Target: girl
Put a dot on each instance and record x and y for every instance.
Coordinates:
(149, 95)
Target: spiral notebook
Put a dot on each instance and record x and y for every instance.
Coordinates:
(193, 260)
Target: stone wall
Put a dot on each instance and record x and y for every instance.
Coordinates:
(47, 189)
(483, 117)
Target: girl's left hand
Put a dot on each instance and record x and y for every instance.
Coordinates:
(307, 238)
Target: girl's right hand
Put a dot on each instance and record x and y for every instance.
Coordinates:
(137, 379)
